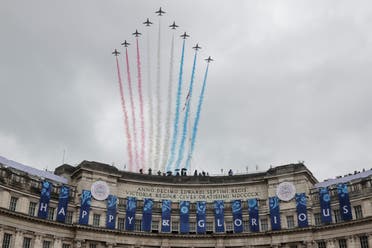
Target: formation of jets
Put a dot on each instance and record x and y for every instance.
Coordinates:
(148, 23)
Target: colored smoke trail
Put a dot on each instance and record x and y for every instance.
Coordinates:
(186, 118)
(169, 106)
(196, 122)
(177, 112)
(158, 99)
(133, 111)
(139, 76)
(125, 112)
(150, 132)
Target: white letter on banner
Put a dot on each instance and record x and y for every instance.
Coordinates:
(201, 223)
(326, 213)
(165, 223)
(345, 209)
(238, 222)
(254, 222)
(43, 207)
(218, 223)
(275, 221)
(83, 214)
(111, 217)
(302, 217)
(62, 211)
(130, 220)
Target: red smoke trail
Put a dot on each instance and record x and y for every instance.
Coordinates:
(141, 107)
(133, 111)
(129, 138)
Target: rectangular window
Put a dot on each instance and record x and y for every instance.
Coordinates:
(69, 216)
(317, 219)
(209, 226)
(229, 226)
(121, 204)
(46, 244)
(7, 240)
(96, 219)
(51, 213)
(192, 227)
(155, 225)
(26, 243)
(321, 244)
(264, 225)
(13, 203)
(32, 208)
(92, 246)
(358, 212)
(175, 226)
(342, 243)
(137, 225)
(246, 225)
(293, 246)
(290, 221)
(363, 241)
(337, 215)
(121, 223)
(66, 246)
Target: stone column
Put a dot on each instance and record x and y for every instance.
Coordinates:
(18, 240)
(370, 240)
(351, 242)
(109, 245)
(1, 235)
(219, 243)
(38, 242)
(165, 243)
(57, 243)
(330, 243)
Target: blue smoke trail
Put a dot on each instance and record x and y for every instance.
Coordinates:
(177, 112)
(186, 119)
(196, 122)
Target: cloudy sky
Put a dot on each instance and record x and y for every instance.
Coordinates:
(291, 81)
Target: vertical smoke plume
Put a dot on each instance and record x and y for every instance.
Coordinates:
(169, 106)
(196, 121)
(186, 118)
(150, 132)
(126, 123)
(177, 111)
(158, 99)
(133, 112)
(139, 76)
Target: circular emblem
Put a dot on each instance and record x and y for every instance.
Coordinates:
(100, 190)
(286, 191)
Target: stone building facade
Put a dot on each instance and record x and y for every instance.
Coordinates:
(20, 194)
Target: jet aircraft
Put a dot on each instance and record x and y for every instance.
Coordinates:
(125, 43)
(147, 22)
(197, 47)
(136, 33)
(116, 53)
(209, 59)
(184, 36)
(160, 12)
(173, 26)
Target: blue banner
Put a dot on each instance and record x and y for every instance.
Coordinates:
(184, 216)
(63, 203)
(85, 198)
(236, 208)
(253, 215)
(301, 204)
(111, 211)
(44, 200)
(166, 215)
(325, 205)
(147, 215)
(343, 198)
(201, 217)
(219, 216)
(130, 218)
(274, 213)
